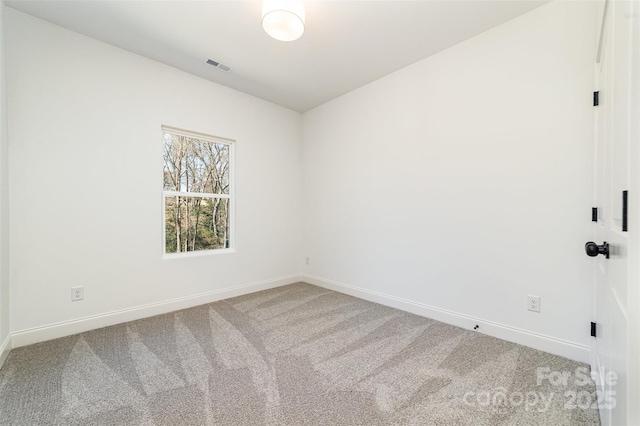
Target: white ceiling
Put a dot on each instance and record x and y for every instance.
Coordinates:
(346, 44)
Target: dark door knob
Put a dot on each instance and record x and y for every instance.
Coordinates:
(593, 249)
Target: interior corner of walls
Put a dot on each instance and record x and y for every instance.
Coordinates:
(556, 346)
(5, 348)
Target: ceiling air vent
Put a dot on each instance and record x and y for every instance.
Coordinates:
(218, 65)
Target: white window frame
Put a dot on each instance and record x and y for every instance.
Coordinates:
(217, 139)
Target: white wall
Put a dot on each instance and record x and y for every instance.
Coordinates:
(4, 199)
(463, 183)
(86, 181)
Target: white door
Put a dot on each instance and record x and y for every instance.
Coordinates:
(616, 290)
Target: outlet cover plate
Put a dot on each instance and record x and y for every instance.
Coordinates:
(77, 293)
(533, 303)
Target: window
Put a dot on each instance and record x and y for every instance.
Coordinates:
(197, 192)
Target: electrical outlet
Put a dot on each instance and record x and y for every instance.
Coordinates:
(533, 303)
(77, 293)
(307, 260)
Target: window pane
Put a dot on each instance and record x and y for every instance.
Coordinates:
(195, 165)
(194, 223)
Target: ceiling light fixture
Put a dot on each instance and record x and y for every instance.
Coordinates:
(283, 19)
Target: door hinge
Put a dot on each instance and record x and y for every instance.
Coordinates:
(625, 206)
(594, 214)
(596, 98)
(593, 329)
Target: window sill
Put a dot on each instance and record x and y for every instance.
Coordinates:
(199, 253)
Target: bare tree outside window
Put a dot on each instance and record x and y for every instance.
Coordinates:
(196, 192)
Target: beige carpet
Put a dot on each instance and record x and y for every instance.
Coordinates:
(294, 355)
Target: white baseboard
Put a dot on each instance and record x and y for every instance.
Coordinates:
(5, 347)
(541, 342)
(67, 328)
